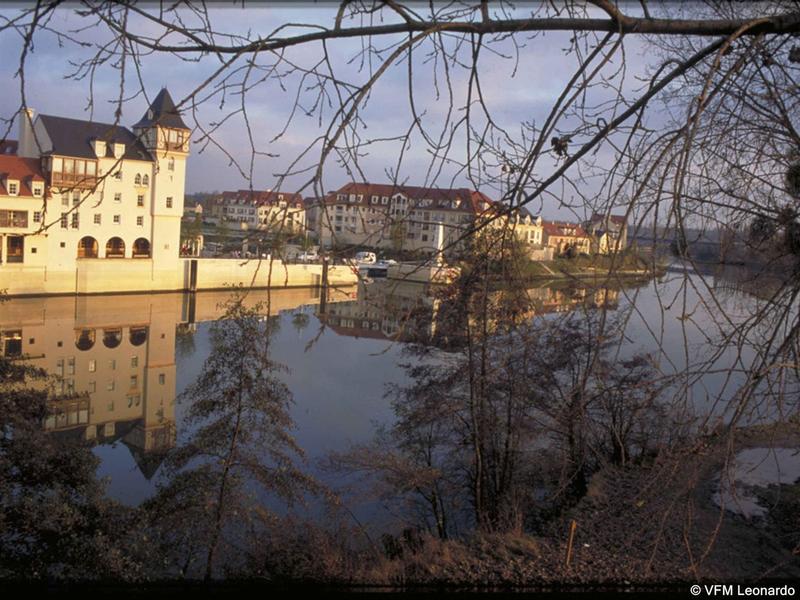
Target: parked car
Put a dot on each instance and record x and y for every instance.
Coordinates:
(308, 256)
(366, 258)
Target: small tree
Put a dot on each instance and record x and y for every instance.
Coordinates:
(240, 444)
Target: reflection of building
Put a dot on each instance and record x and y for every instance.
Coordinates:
(385, 309)
(113, 360)
(404, 310)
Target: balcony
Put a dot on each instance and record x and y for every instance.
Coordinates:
(72, 180)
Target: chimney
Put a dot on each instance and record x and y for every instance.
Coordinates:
(27, 142)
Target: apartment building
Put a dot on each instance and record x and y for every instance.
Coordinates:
(564, 237)
(401, 217)
(79, 190)
(609, 233)
(267, 209)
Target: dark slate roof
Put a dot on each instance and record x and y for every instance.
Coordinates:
(73, 137)
(162, 112)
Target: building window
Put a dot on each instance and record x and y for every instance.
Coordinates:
(118, 197)
(118, 175)
(140, 221)
(76, 198)
(140, 200)
(134, 362)
(134, 381)
(98, 219)
(13, 218)
(146, 179)
(92, 366)
(169, 201)
(37, 217)
(15, 248)
(37, 189)
(64, 199)
(171, 164)
(64, 221)
(74, 220)
(12, 189)
(162, 379)
(137, 180)
(117, 219)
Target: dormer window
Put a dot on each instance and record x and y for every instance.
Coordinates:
(119, 150)
(13, 187)
(99, 147)
(38, 188)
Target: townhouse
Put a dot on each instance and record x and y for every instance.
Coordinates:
(261, 209)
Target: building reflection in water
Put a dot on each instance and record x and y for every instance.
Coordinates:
(112, 359)
(405, 310)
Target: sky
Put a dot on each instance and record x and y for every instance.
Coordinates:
(515, 89)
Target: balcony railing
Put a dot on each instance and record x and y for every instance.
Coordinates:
(59, 179)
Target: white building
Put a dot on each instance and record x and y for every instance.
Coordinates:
(85, 191)
(262, 209)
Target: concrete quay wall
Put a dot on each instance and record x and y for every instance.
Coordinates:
(110, 276)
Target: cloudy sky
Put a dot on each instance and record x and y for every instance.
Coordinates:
(518, 84)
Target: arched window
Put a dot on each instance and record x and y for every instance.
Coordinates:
(146, 179)
(137, 180)
(112, 337)
(84, 339)
(87, 247)
(115, 248)
(138, 336)
(141, 248)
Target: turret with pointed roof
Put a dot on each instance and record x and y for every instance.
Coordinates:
(163, 113)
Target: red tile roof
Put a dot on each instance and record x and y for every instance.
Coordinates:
(8, 146)
(457, 199)
(559, 228)
(24, 170)
(261, 197)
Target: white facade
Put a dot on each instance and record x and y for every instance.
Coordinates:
(107, 193)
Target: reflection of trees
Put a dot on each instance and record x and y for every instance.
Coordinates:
(184, 340)
(239, 448)
(300, 321)
(54, 519)
(517, 407)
